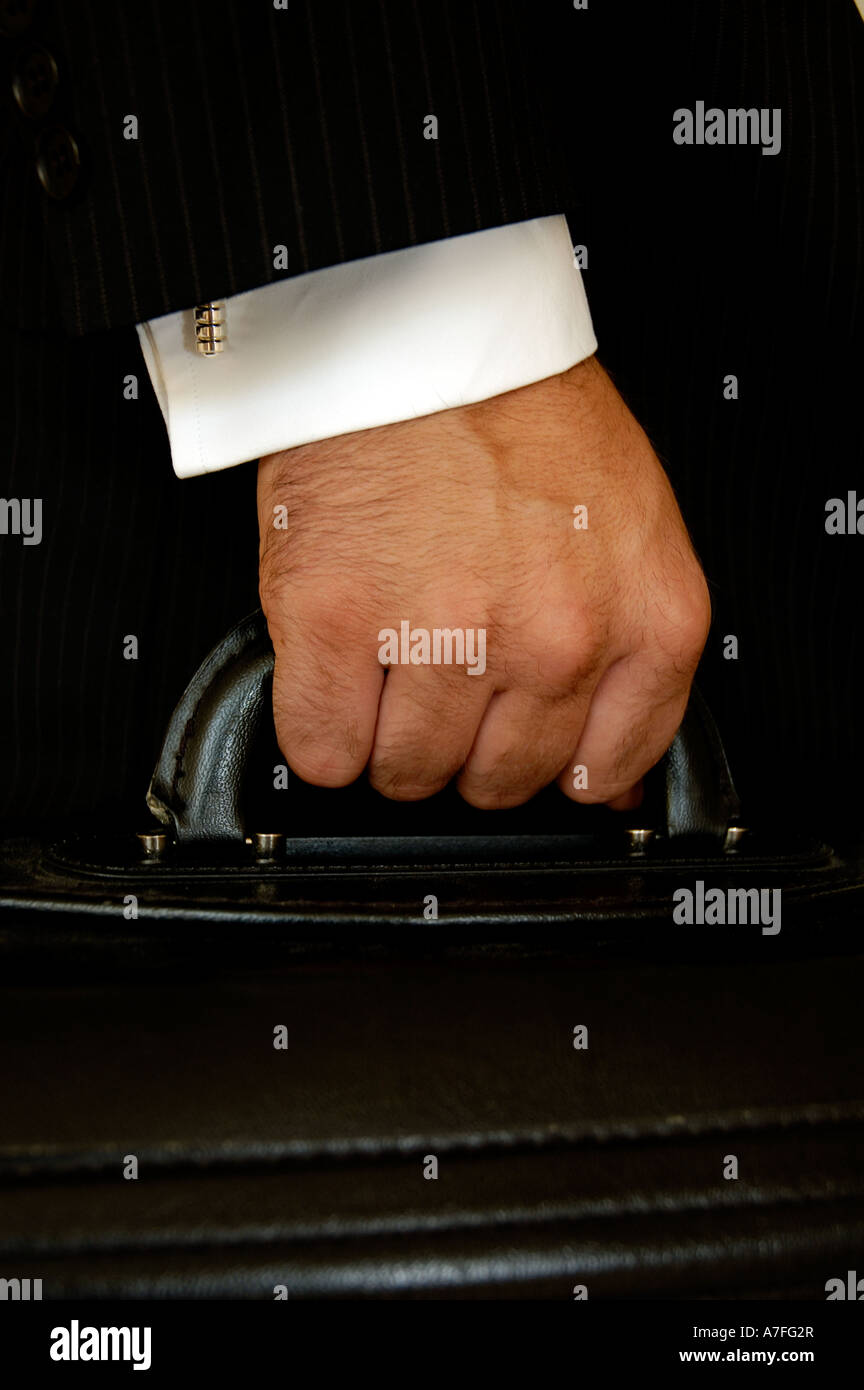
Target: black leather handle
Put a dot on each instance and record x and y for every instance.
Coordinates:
(197, 784)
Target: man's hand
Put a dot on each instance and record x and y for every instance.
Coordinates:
(465, 519)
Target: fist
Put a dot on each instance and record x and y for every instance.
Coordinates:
(504, 593)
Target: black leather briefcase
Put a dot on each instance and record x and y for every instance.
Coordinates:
(459, 1054)
(242, 855)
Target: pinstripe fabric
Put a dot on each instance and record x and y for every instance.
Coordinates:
(258, 128)
(126, 551)
(718, 260)
(702, 262)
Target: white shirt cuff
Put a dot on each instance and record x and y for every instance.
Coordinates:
(370, 342)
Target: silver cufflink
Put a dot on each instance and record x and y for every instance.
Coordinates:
(210, 334)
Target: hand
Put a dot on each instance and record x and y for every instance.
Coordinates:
(465, 519)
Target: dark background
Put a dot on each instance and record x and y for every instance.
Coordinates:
(702, 262)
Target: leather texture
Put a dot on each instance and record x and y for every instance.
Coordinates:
(305, 1167)
(152, 1035)
(196, 787)
(352, 857)
(437, 1124)
(197, 784)
(700, 794)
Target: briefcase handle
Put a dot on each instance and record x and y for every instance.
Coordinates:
(196, 787)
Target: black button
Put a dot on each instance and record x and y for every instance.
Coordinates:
(57, 162)
(35, 82)
(15, 16)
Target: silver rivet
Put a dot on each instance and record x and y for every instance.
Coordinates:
(734, 835)
(640, 839)
(153, 842)
(267, 845)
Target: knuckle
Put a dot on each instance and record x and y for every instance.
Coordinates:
(488, 797)
(322, 767)
(686, 619)
(567, 647)
(320, 747)
(318, 636)
(403, 781)
(605, 791)
(505, 782)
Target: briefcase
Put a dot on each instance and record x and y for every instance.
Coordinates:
(245, 851)
(286, 1042)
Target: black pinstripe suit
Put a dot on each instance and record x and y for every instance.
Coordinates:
(702, 262)
(300, 127)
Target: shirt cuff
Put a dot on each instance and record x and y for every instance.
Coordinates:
(370, 342)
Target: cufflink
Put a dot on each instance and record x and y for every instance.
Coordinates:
(210, 334)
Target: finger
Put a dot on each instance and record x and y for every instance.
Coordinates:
(630, 800)
(520, 746)
(326, 688)
(427, 722)
(634, 716)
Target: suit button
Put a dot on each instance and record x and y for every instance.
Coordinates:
(15, 16)
(34, 82)
(57, 162)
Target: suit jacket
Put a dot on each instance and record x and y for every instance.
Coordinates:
(703, 262)
(177, 145)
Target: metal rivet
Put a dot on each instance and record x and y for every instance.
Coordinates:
(267, 845)
(734, 836)
(153, 842)
(640, 839)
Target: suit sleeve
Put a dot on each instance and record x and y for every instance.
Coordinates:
(217, 148)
